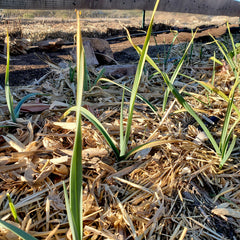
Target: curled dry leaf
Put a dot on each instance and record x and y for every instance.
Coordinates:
(61, 170)
(50, 143)
(94, 152)
(235, 213)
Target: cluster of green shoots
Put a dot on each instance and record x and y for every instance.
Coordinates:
(223, 148)
(14, 112)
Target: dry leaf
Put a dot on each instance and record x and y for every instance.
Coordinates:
(226, 212)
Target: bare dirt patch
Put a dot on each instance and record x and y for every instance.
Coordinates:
(173, 190)
(27, 68)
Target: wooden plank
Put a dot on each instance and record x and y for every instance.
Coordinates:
(207, 7)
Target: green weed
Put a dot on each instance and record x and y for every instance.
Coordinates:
(14, 113)
(224, 148)
(123, 153)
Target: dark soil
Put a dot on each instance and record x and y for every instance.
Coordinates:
(26, 68)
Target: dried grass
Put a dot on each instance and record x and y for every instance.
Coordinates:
(174, 191)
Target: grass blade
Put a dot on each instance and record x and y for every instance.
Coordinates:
(98, 125)
(150, 145)
(232, 42)
(13, 209)
(69, 213)
(231, 94)
(152, 107)
(24, 99)
(99, 76)
(139, 50)
(176, 72)
(121, 122)
(214, 68)
(210, 87)
(75, 190)
(181, 100)
(86, 82)
(229, 136)
(154, 65)
(170, 48)
(221, 94)
(137, 81)
(215, 60)
(8, 94)
(17, 231)
(101, 128)
(72, 71)
(184, 103)
(228, 153)
(224, 51)
(223, 138)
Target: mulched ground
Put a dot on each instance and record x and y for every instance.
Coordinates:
(174, 190)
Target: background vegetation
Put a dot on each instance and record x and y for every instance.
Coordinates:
(71, 14)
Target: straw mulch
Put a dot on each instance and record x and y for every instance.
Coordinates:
(173, 191)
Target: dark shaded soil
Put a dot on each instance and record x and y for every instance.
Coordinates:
(26, 68)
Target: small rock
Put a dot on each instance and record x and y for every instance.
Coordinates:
(102, 49)
(51, 45)
(118, 71)
(97, 52)
(89, 54)
(17, 46)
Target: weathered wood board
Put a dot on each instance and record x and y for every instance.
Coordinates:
(207, 7)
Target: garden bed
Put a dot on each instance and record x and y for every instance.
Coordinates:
(172, 191)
